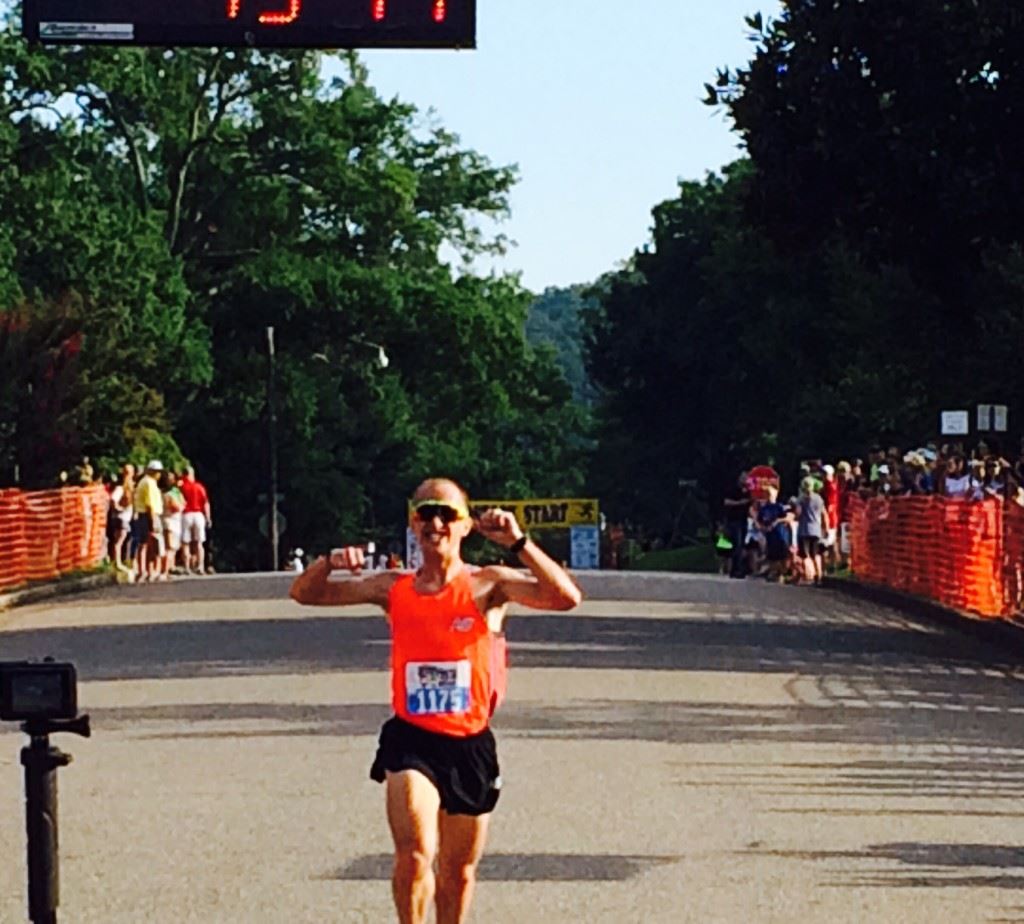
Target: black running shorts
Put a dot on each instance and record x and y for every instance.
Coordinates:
(464, 770)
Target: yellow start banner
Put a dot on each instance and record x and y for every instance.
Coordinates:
(547, 512)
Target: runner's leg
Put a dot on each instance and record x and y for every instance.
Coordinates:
(462, 846)
(413, 805)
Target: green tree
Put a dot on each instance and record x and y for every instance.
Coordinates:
(880, 130)
(555, 319)
(74, 238)
(202, 196)
(713, 351)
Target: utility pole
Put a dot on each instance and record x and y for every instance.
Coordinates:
(272, 446)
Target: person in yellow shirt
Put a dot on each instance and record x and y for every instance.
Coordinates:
(147, 527)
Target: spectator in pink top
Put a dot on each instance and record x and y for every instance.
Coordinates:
(196, 521)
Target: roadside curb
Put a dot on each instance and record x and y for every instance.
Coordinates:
(55, 589)
(1005, 634)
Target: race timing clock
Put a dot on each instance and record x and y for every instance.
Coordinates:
(255, 23)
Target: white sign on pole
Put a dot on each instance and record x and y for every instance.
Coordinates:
(955, 423)
(1001, 418)
(413, 552)
(584, 547)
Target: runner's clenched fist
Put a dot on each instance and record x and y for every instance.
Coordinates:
(499, 526)
(350, 558)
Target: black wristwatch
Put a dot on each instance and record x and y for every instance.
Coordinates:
(519, 544)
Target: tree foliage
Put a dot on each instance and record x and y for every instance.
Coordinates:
(193, 198)
(556, 319)
(859, 271)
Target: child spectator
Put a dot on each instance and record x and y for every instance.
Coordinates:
(772, 519)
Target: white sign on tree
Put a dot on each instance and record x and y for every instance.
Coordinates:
(955, 423)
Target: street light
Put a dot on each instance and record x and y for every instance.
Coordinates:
(272, 447)
(383, 361)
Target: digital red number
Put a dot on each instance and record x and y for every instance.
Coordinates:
(274, 18)
(282, 17)
(379, 10)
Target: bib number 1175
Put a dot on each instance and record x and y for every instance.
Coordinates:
(438, 702)
(438, 688)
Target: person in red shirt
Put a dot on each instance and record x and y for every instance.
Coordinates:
(830, 495)
(437, 756)
(196, 520)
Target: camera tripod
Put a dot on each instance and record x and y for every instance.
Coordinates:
(41, 762)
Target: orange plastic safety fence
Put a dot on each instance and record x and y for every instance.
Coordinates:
(44, 534)
(1013, 558)
(951, 551)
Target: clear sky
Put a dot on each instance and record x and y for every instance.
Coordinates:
(597, 101)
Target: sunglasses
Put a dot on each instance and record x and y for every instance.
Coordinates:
(426, 511)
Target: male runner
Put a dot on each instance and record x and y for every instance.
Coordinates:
(437, 754)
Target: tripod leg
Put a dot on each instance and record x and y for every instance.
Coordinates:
(41, 763)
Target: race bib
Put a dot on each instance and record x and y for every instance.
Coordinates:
(437, 687)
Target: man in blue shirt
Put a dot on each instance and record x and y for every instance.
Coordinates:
(773, 520)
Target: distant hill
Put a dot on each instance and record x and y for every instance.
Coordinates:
(555, 318)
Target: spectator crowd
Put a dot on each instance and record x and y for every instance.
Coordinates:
(800, 539)
(157, 522)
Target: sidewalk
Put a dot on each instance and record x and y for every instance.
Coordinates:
(48, 589)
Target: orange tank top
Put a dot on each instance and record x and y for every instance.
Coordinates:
(447, 667)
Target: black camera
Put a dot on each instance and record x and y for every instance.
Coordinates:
(38, 690)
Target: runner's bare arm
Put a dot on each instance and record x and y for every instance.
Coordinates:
(312, 587)
(547, 586)
(512, 586)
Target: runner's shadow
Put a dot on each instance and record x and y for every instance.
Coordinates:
(523, 867)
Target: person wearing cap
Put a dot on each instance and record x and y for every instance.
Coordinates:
(147, 526)
(437, 756)
(915, 477)
(847, 482)
(812, 522)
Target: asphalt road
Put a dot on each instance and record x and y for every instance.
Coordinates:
(743, 753)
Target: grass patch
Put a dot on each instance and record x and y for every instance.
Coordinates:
(700, 559)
